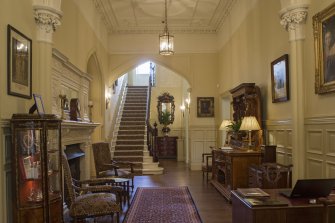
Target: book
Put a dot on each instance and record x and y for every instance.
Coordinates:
(252, 192)
(264, 201)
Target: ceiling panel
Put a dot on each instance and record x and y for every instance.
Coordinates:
(146, 16)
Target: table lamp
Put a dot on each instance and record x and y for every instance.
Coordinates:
(224, 126)
(250, 123)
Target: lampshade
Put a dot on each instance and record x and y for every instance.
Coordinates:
(224, 124)
(250, 123)
(166, 40)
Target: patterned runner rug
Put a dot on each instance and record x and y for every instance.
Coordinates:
(162, 205)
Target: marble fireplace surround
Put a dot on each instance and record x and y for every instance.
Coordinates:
(80, 133)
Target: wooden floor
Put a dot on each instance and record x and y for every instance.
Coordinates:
(212, 206)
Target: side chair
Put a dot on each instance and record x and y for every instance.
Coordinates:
(206, 166)
(106, 167)
(90, 201)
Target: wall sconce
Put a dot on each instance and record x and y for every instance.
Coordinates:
(250, 123)
(90, 106)
(188, 102)
(108, 99)
(182, 108)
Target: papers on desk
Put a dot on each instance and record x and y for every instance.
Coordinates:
(252, 192)
(226, 148)
(264, 201)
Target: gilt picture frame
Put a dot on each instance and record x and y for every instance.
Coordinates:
(19, 64)
(280, 79)
(205, 107)
(324, 48)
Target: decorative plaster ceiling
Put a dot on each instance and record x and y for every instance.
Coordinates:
(146, 16)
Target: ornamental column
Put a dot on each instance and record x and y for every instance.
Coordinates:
(47, 15)
(293, 17)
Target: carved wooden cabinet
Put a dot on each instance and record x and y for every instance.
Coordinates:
(36, 170)
(246, 102)
(167, 147)
(230, 169)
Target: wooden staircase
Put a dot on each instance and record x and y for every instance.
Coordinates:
(130, 138)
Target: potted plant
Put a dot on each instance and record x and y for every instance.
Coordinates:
(234, 128)
(165, 119)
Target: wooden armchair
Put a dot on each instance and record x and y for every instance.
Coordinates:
(206, 164)
(90, 201)
(106, 167)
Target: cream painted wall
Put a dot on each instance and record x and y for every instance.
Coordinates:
(18, 14)
(246, 57)
(167, 81)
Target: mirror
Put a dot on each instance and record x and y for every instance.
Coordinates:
(165, 109)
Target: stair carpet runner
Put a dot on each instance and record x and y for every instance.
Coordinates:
(130, 140)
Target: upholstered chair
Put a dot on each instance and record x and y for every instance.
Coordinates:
(106, 167)
(90, 201)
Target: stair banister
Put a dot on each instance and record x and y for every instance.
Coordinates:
(151, 131)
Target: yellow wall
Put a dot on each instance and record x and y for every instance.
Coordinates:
(19, 15)
(246, 57)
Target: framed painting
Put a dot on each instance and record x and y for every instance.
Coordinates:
(324, 47)
(280, 79)
(205, 107)
(19, 63)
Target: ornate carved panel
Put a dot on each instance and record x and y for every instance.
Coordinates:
(247, 102)
(70, 81)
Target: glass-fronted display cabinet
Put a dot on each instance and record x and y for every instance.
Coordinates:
(37, 173)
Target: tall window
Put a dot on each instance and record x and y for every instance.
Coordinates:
(143, 68)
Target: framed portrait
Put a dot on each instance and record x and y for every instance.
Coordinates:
(280, 79)
(205, 107)
(19, 63)
(324, 47)
(39, 104)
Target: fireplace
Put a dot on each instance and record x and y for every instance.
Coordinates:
(74, 154)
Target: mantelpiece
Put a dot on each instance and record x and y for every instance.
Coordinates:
(80, 133)
(68, 80)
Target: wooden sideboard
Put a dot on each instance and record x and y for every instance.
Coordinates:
(230, 169)
(167, 147)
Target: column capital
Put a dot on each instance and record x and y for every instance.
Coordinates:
(291, 18)
(47, 18)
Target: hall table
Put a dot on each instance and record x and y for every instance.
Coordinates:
(298, 210)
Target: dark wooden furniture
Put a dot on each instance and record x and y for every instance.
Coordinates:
(297, 210)
(36, 170)
(167, 147)
(230, 169)
(246, 102)
(270, 175)
(206, 165)
(269, 154)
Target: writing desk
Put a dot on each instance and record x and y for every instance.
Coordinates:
(297, 210)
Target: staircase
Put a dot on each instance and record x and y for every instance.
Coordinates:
(130, 138)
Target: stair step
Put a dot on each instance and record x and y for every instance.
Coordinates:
(132, 127)
(128, 147)
(129, 158)
(127, 119)
(133, 114)
(128, 153)
(132, 122)
(131, 132)
(123, 137)
(130, 142)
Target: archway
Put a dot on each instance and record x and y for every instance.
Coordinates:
(167, 80)
(96, 95)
